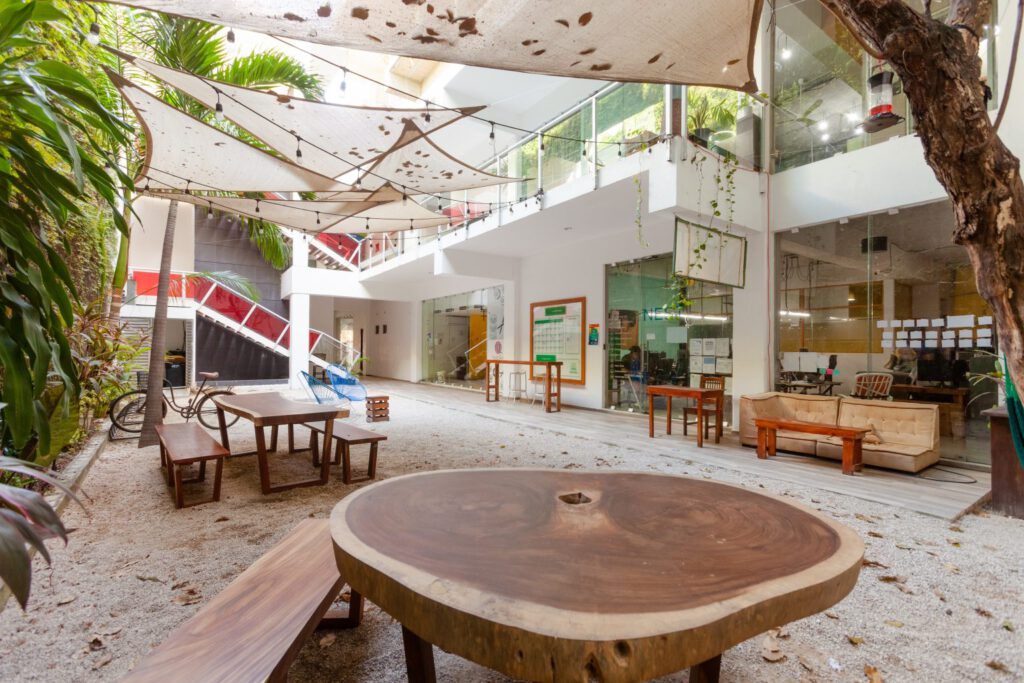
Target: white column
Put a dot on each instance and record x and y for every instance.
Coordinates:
(298, 314)
(753, 326)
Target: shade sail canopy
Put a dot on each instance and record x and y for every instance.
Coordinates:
(335, 138)
(416, 163)
(698, 42)
(333, 216)
(183, 153)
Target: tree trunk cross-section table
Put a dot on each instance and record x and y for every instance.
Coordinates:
(273, 410)
(548, 575)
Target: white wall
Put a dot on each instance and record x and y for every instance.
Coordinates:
(395, 354)
(147, 236)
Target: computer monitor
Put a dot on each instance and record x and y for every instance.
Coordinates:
(933, 366)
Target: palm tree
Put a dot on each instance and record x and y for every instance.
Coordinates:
(197, 47)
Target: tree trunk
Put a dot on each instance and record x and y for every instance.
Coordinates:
(941, 73)
(158, 343)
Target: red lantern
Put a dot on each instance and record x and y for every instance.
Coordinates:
(880, 113)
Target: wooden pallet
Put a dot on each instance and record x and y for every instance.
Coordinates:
(377, 409)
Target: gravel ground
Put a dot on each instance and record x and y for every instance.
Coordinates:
(936, 601)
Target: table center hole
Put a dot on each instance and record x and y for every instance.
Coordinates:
(578, 498)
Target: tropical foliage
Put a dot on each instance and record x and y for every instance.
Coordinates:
(54, 172)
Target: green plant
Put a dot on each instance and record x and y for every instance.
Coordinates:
(54, 163)
(710, 109)
(26, 519)
(679, 286)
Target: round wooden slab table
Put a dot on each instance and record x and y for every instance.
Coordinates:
(552, 575)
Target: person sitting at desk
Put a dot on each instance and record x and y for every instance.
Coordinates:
(633, 361)
(903, 365)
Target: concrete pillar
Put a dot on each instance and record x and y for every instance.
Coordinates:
(298, 315)
(753, 326)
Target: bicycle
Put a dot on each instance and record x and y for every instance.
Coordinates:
(129, 409)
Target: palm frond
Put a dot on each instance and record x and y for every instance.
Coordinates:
(264, 70)
(227, 278)
(270, 241)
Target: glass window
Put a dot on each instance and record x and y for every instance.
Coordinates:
(889, 293)
(629, 119)
(567, 159)
(458, 333)
(521, 162)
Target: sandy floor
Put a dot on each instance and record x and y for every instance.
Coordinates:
(953, 612)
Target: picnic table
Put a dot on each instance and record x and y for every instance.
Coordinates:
(553, 575)
(273, 410)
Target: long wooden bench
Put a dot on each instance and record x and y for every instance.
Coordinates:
(346, 436)
(185, 444)
(853, 438)
(254, 628)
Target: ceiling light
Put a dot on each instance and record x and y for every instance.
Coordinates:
(795, 314)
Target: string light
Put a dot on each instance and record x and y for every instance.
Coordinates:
(231, 35)
(298, 148)
(492, 130)
(405, 197)
(344, 78)
(542, 142)
(93, 36)
(426, 117)
(218, 110)
(209, 211)
(318, 218)
(187, 190)
(257, 206)
(367, 224)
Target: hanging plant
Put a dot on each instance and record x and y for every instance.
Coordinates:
(679, 286)
(638, 218)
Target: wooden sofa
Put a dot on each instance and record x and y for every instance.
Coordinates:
(905, 434)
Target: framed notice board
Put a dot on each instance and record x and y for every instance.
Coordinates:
(558, 332)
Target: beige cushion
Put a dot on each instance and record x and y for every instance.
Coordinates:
(820, 409)
(796, 442)
(892, 456)
(895, 422)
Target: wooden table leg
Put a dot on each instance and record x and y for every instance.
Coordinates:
(668, 414)
(261, 456)
(707, 671)
(762, 443)
(325, 461)
(650, 415)
(700, 423)
(222, 422)
(419, 658)
(852, 454)
(858, 455)
(558, 383)
(719, 409)
(371, 470)
(773, 435)
(547, 390)
(273, 439)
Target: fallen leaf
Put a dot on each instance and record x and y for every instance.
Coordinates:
(873, 675)
(770, 649)
(889, 578)
(855, 640)
(956, 529)
(1008, 625)
(996, 665)
(894, 623)
(111, 631)
(810, 658)
(140, 577)
(178, 585)
(831, 615)
(328, 640)
(952, 567)
(221, 519)
(873, 564)
(66, 599)
(864, 518)
(103, 661)
(903, 546)
(875, 534)
(955, 544)
(940, 595)
(983, 612)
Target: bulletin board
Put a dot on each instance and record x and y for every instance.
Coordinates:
(558, 332)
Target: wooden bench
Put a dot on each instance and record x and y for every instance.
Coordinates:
(346, 436)
(185, 444)
(254, 628)
(853, 438)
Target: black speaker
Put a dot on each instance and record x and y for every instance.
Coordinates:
(879, 243)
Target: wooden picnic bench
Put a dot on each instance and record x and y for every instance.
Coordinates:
(186, 444)
(254, 628)
(346, 436)
(853, 438)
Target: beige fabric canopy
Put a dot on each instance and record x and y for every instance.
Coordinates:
(334, 216)
(416, 163)
(183, 153)
(697, 42)
(335, 138)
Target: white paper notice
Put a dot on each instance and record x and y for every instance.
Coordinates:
(960, 320)
(728, 385)
(902, 334)
(922, 322)
(966, 334)
(696, 346)
(985, 332)
(651, 336)
(985, 342)
(916, 344)
(938, 322)
(949, 343)
(708, 347)
(887, 334)
(901, 343)
(909, 323)
(948, 334)
(882, 323)
(916, 334)
(931, 334)
(695, 380)
(723, 366)
(895, 323)
(709, 364)
(985, 320)
(722, 347)
(966, 343)
(887, 343)
(696, 364)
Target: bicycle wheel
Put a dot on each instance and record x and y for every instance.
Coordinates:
(207, 411)
(129, 410)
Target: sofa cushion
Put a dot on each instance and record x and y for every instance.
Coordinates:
(888, 455)
(774, 404)
(895, 422)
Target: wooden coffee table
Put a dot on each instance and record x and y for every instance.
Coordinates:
(273, 410)
(853, 438)
(549, 575)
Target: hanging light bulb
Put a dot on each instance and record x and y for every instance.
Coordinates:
(492, 130)
(209, 211)
(93, 36)
(358, 185)
(257, 206)
(542, 143)
(298, 148)
(231, 35)
(410, 224)
(405, 197)
(344, 79)
(426, 117)
(367, 224)
(619, 145)
(218, 110)
(318, 218)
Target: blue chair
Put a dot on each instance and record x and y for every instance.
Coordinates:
(323, 393)
(345, 383)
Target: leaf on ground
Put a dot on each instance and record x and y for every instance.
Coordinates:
(873, 564)
(66, 599)
(810, 658)
(952, 568)
(894, 623)
(903, 546)
(154, 579)
(1008, 625)
(996, 665)
(189, 596)
(872, 674)
(345, 596)
(955, 544)
(889, 578)
(221, 519)
(956, 529)
(102, 661)
(328, 640)
(831, 615)
(112, 631)
(865, 518)
(982, 612)
(770, 649)
(875, 534)
(940, 595)
(855, 640)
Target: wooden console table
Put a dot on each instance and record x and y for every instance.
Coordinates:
(552, 398)
(697, 393)
(549, 575)
(853, 439)
(916, 392)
